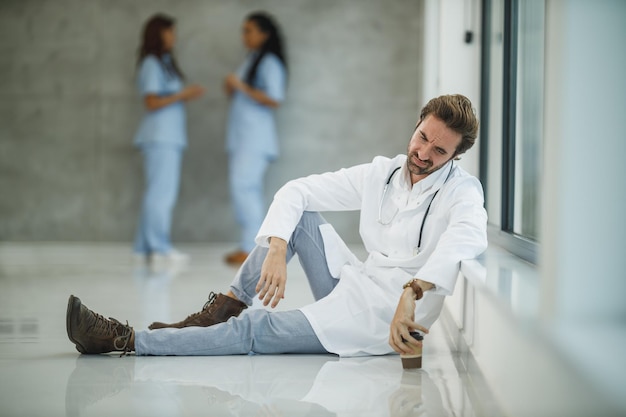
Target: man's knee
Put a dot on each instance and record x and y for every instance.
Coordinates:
(311, 220)
(307, 227)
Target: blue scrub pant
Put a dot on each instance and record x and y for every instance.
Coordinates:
(258, 330)
(162, 166)
(246, 174)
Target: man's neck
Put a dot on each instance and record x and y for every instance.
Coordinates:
(417, 178)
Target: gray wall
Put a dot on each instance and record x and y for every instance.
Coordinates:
(69, 108)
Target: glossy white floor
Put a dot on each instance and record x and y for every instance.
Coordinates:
(42, 374)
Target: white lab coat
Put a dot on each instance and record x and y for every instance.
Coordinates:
(353, 320)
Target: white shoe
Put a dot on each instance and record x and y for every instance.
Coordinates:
(172, 256)
(177, 256)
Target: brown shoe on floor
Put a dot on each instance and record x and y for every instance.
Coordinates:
(92, 333)
(236, 258)
(218, 309)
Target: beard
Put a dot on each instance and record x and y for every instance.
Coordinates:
(427, 169)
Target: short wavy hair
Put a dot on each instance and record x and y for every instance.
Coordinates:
(457, 113)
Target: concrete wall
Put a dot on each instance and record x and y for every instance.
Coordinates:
(69, 109)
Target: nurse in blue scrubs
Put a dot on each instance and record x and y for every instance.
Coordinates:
(256, 90)
(162, 137)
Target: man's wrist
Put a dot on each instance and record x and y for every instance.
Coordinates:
(277, 243)
(418, 286)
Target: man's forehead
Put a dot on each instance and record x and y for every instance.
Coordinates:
(436, 131)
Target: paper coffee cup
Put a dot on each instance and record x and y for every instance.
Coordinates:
(414, 359)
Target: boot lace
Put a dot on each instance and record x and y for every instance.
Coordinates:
(112, 328)
(212, 297)
(206, 306)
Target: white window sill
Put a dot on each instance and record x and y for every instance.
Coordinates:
(513, 282)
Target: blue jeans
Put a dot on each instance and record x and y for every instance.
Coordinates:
(162, 166)
(258, 331)
(246, 174)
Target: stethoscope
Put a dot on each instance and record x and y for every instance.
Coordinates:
(382, 200)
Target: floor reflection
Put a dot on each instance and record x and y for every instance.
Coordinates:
(153, 285)
(255, 385)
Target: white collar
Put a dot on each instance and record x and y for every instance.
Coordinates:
(431, 183)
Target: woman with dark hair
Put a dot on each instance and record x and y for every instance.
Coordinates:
(162, 137)
(256, 89)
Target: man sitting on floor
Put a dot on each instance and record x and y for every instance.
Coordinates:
(420, 215)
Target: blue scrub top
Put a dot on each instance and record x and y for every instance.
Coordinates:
(167, 125)
(251, 126)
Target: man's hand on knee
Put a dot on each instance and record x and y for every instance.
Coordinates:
(271, 285)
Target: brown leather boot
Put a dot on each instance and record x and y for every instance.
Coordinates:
(218, 309)
(92, 333)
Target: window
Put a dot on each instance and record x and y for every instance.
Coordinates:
(512, 125)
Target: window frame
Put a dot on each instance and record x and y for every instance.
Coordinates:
(503, 235)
